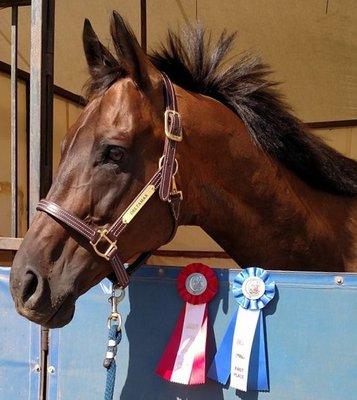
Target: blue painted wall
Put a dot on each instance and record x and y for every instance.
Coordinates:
(311, 329)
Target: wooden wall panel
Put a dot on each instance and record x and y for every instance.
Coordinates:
(182, 261)
(73, 113)
(343, 140)
(177, 14)
(70, 67)
(309, 44)
(24, 37)
(353, 153)
(311, 48)
(22, 160)
(186, 239)
(65, 114)
(60, 127)
(5, 186)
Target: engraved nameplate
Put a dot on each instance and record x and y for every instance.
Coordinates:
(138, 204)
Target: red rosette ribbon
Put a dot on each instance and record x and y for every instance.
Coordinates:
(184, 358)
(212, 283)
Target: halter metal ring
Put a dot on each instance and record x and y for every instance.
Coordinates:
(161, 160)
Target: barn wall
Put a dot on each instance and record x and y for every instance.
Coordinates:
(309, 44)
(310, 49)
(5, 177)
(70, 67)
(65, 114)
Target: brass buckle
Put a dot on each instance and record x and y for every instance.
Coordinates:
(176, 137)
(112, 244)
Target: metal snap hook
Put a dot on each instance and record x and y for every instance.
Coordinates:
(118, 294)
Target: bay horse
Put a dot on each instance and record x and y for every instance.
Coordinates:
(252, 176)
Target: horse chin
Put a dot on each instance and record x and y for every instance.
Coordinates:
(60, 318)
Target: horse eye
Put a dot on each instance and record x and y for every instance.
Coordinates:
(115, 154)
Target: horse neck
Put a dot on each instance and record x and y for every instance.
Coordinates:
(254, 207)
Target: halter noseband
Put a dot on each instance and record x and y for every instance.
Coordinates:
(104, 240)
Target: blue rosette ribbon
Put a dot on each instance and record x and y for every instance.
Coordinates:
(242, 353)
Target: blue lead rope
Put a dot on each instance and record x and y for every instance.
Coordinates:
(114, 338)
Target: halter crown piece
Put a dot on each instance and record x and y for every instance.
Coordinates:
(104, 240)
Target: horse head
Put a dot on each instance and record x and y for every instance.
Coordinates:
(107, 157)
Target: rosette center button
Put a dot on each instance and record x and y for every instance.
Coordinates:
(253, 288)
(196, 284)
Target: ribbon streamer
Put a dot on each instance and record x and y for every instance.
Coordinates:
(184, 359)
(242, 353)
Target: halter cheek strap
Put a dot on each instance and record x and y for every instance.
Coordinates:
(173, 132)
(104, 240)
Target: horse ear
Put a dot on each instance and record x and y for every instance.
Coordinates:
(97, 55)
(130, 52)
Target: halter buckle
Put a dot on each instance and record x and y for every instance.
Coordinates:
(174, 134)
(111, 244)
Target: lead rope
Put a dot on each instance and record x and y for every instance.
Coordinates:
(114, 338)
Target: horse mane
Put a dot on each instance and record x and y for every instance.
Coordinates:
(195, 62)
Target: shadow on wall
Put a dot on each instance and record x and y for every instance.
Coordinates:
(158, 316)
(149, 325)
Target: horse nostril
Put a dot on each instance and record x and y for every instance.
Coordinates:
(29, 286)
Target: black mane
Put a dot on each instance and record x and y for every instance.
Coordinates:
(195, 63)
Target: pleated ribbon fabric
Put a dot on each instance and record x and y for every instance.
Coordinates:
(184, 358)
(242, 353)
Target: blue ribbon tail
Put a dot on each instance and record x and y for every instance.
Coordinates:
(220, 368)
(258, 372)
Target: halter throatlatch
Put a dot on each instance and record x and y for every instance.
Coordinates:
(104, 240)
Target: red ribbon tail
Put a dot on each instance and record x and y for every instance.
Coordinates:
(167, 361)
(198, 374)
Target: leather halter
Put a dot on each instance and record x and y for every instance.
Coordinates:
(104, 240)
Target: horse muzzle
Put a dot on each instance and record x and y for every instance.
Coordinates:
(34, 300)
